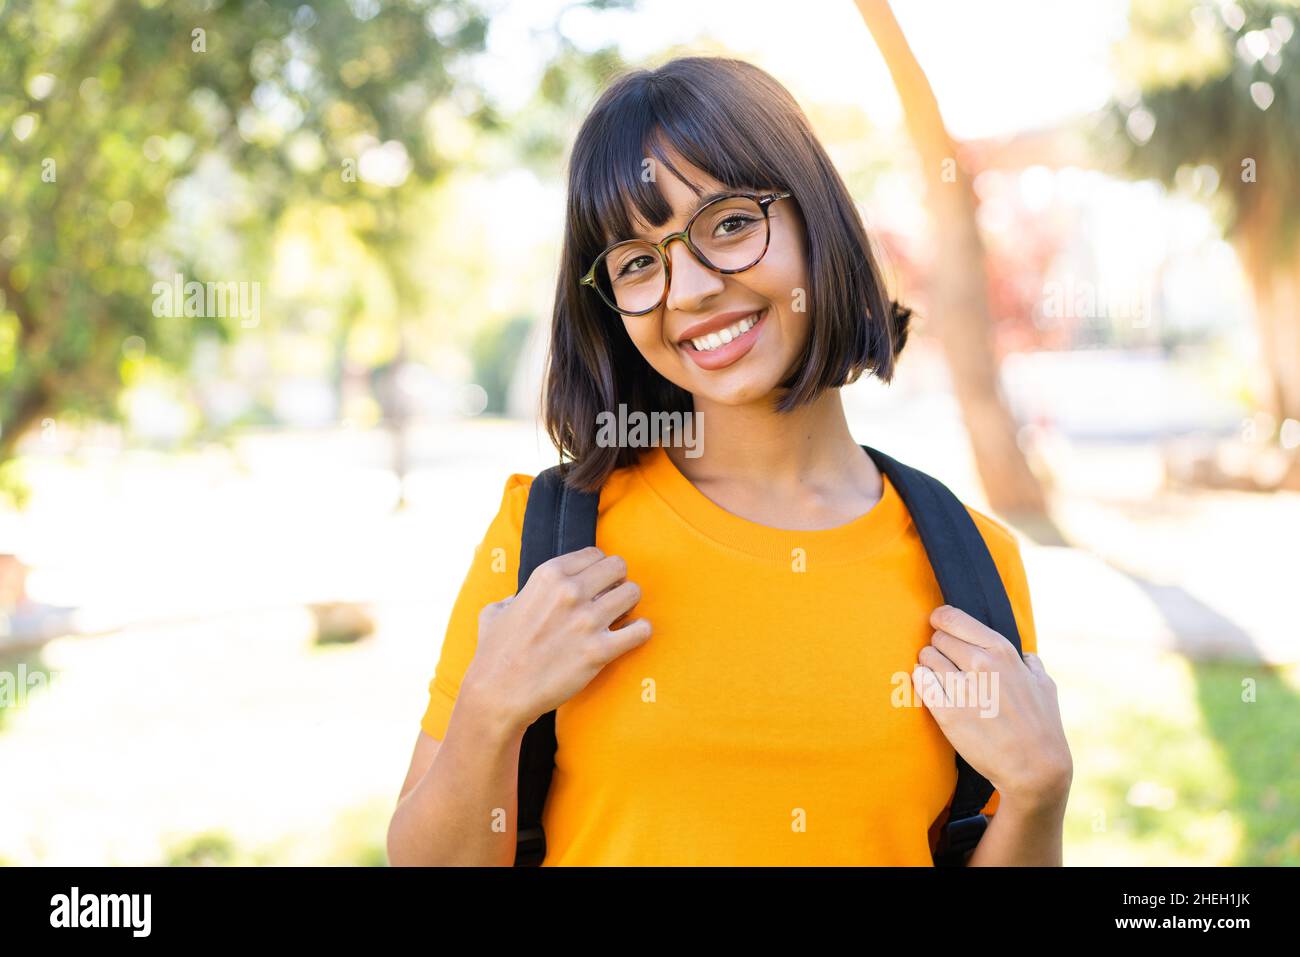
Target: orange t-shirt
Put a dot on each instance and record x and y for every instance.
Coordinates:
(759, 724)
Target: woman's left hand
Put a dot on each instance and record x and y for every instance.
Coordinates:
(999, 713)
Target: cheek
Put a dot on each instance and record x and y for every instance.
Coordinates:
(785, 277)
(787, 289)
(645, 333)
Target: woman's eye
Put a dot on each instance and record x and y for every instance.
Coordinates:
(635, 264)
(734, 224)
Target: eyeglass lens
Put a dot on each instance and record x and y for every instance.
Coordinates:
(730, 234)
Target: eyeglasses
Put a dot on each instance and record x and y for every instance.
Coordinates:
(728, 235)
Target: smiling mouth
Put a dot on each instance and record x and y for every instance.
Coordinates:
(716, 340)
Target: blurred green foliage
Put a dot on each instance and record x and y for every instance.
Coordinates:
(495, 352)
(1211, 107)
(209, 849)
(1215, 85)
(142, 140)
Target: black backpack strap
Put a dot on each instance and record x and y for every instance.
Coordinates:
(969, 580)
(557, 520)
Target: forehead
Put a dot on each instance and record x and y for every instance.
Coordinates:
(685, 194)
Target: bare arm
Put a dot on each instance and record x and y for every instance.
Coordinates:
(1024, 832)
(535, 651)
(457, 805)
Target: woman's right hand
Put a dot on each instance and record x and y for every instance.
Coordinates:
(540, 647)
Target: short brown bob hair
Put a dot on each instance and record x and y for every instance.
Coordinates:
(738, 124)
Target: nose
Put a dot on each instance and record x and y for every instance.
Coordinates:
(692, 282)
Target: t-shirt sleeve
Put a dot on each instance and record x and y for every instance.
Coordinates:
(493, 575)
(1005, 549)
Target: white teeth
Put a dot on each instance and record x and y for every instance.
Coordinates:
(723, 336)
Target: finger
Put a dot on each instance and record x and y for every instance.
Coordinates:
(599, 577)
(961, 625)
(623, 618)
(960, 653)
(937, 661)
(929, 688)
(619, 641)
(617, 601)
(571, 563)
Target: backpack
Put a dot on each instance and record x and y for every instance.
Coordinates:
(559, 519)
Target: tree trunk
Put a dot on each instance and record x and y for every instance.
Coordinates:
(1277, 307)
(33, 403)
(1274, 279)
(960, 301)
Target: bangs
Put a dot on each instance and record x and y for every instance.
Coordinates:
(613, 188)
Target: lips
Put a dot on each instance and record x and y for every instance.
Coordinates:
(732, 351)
(715, 324)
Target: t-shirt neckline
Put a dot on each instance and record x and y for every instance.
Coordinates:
(852, 541)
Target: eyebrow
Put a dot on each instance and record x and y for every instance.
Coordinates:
(700, 204)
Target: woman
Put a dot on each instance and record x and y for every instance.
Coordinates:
(724, 662)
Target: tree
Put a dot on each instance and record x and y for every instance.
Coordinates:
(142, 141)
(1218, 87)
(960, 301)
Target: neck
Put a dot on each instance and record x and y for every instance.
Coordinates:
(779, 453)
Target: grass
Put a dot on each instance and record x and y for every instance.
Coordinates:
(17, 687)
(1173, 767)
(356, 840)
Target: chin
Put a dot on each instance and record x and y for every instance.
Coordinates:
(738, 394)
